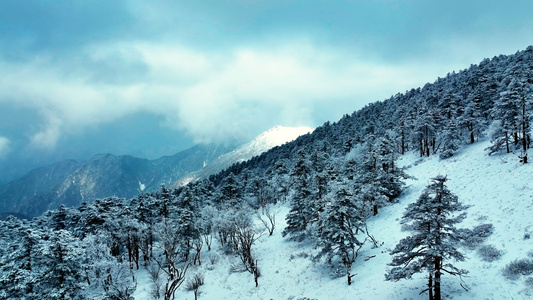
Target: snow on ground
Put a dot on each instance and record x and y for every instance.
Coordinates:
(499, 190)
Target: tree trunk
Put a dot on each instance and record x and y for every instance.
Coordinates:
(437, 278)
(256, 273)
(524, 132)
(470, 127)
(507, 142)
(403, 142)
(430, 287)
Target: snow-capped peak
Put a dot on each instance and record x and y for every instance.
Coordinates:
(273, 137)
(267, 140)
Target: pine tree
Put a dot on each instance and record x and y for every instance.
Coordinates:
(473, 118)
(229, 192)
(65, 267)
(300, 213)
(434, 242)
(451, 139)
(19, 252)
(301, 207)
(108, 277)
(424, 130)
(377, 180)
(338, 226)
(390, 176)
(512, 110)
(186, 221)
(163, 202)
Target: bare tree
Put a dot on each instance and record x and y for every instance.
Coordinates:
(247, 237)
(118, 283)
(175, 277)
(155, 276)
(207, 215)
(194, 285)
(174, 266)
(197, 246)
(268, 218)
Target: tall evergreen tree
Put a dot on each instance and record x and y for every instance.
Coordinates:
(19, 263)
(424, 130)
(186, 221)
(338, 226)
(434, 241)
(230, 192)
(64, 274)
(451, 139)
(301, 207)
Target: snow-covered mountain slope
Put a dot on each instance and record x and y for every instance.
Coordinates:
(70, 182)
(499, 190)
(267, 140)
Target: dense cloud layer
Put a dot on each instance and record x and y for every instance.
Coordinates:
(213, 70)
(211, 97)
(4, 146)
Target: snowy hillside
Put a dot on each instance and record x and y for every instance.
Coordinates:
(498, 188)
(267, 140)
(70, 183)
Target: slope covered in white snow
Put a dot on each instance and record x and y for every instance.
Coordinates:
(271, 138)
(267, 140)
(499, 190)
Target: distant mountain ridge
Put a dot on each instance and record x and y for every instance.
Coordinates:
(269, 139)
(71, 182)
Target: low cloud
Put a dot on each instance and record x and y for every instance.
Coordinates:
(212, 96)
(47, 138)
(4, 146)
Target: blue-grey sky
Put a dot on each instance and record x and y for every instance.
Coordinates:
(81, 77)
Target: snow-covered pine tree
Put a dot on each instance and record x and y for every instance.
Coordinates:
(230, 192)
(337, 227)
(108, 277)
(473, 119)
(19, 244)
(164, 201)
(434, 241)
(130, 232)
(451, 139)
(64, 267)
(301, 208)
(186, 221)
(390, 177)
(368, 184)
(145, 219)
(511, 110)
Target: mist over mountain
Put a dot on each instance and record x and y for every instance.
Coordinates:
(271, 138)
(141, 135)
(72, 182)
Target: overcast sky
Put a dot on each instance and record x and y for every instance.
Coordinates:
(133, 76)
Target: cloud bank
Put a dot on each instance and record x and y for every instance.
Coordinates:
(212, 97)
(219, 71)
(4, 146)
